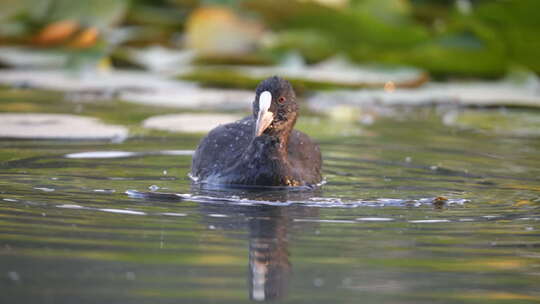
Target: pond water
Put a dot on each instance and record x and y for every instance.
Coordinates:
(374, 233)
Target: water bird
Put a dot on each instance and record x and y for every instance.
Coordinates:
(261, 150)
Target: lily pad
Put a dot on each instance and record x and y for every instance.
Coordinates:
(189, 122)
(58, 126)
(194, 98)
(71, 81)
(132, 86)
(158, 58)
(333, 73)
(27, 58)
(496, 93)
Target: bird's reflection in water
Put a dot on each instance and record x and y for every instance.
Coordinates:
(270, 229)
(269, 266)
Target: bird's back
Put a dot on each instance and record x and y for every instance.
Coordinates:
(222, 147)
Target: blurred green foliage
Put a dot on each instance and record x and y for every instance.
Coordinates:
(471, 38)
(434, 35)
(22, 17)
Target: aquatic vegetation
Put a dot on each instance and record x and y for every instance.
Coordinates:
(446, 38)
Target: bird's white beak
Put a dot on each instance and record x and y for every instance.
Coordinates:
(264, 117)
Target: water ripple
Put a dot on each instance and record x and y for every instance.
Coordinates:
(124, 154)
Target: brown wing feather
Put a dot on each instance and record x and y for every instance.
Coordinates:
(305, 157)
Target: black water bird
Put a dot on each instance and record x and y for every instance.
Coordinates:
(262, 149)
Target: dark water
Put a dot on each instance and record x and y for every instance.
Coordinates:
(373, 234)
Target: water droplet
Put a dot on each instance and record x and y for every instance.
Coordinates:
(153, 188)
(318, 282)
(14, 276)
(130, 276)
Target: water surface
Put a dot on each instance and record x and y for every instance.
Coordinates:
(373, 233)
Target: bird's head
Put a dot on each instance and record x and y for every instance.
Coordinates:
(274, 108)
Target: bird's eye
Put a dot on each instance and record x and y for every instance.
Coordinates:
(281, 99)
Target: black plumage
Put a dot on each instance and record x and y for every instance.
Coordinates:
(262, 149)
